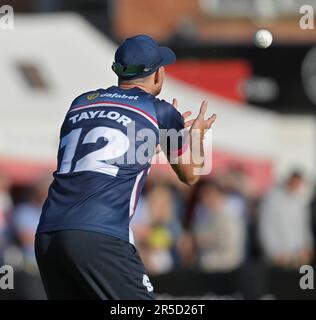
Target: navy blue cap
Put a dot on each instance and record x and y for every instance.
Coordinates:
(140, 56)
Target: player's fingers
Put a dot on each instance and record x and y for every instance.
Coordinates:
(189, 123)
(175, 103)
(203, 109)
(186, 114)
(210, 121)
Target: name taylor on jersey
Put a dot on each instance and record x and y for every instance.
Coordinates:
(111, 115)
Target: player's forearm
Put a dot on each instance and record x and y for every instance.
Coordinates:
(192, 159)
(196, 152)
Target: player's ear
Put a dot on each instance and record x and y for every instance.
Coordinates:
(159, 75)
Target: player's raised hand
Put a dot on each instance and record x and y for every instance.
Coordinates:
(200, 123)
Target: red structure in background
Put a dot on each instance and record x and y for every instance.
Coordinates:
(259, 170)
(23, 172)
(221, 77)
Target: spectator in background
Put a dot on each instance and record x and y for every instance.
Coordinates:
(156, 235)
(219, 234)
(241, 194)
(186, 249)
(25, 220)
(5, 208)
(235, 184)
(284, 224)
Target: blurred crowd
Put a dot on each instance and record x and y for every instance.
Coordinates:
(221, 223)
(216, 226)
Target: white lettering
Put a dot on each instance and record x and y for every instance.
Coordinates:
(307, 280)
(7, 20)
(124, 120)
(112, 115)
(307, 20)
(74, 118)
(118, 96)
(92, 114)
(83, 115)
(6, 277)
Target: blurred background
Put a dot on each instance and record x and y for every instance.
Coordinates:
(245, 229)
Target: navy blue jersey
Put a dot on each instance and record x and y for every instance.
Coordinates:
(99, 178)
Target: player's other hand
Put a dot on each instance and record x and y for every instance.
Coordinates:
(185, 115)
(200, 123)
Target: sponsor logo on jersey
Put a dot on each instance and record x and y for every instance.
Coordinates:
(118, 96)
(93, 96)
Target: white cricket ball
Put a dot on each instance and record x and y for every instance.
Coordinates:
(263, 38)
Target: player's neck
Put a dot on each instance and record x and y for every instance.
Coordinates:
(126, 86)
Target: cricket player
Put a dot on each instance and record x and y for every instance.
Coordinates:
(84, 245)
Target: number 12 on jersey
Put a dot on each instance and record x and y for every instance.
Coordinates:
(118, 144)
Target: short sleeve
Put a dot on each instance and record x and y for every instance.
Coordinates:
(171, 127)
